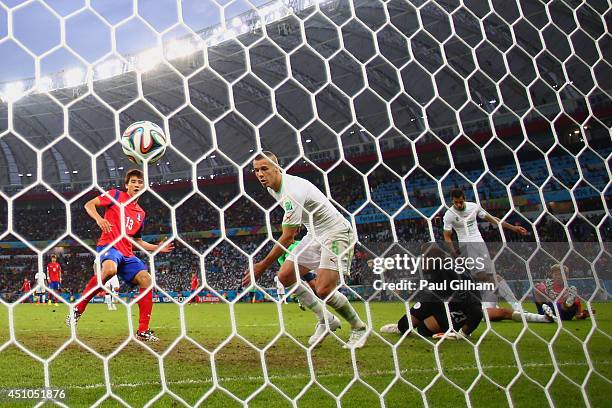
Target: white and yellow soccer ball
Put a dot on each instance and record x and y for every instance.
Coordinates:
(144, 141)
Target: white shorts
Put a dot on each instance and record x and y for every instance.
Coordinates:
(314, 255)
(280, 291)
(479, 252)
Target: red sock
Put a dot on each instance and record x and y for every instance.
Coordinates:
(93, 282)
(145, 306)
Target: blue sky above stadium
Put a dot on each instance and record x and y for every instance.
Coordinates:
(37, 28)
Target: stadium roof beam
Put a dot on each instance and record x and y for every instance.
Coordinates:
(62, 170)
(13, 169)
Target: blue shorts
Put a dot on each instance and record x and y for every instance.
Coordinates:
(54, 285)
(566, 314)
(127, 267)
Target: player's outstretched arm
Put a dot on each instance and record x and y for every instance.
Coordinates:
(165, 247)
(90, 207)
(286, 239)
(515, 228)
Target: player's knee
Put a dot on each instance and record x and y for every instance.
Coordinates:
(323, 291)
(144, 279)
(287, 274)
(109, 269)
(284, 277)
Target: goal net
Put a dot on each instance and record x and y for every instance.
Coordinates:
(386, 107)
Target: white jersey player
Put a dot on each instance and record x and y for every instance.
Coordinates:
(462, 217)
(40, 291)
(280, 289)
(326, 248)
(113, 285)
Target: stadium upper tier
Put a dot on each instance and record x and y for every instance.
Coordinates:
(334, 90)
(197, 218)
(423, 191)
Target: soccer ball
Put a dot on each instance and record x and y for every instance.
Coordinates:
(144, 141)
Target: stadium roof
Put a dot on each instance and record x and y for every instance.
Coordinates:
(401, 80)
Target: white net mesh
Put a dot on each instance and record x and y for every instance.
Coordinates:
(385, 107)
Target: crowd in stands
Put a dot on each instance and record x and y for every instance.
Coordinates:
(224, 264)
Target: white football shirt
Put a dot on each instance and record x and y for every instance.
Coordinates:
(464, 222)
(40, 279)
(305, 204)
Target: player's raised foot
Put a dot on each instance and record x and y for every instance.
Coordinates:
(321, 331)
(357, 339)
(390, 328)
(147, 335)
(572, 292)
(549, 313)
(73, 318)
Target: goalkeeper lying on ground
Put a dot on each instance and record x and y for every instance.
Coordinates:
(429, 315)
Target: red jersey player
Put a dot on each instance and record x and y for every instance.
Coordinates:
(554, 289)
(195, 282)
(119, 258)
(54, 277)
(25, 288)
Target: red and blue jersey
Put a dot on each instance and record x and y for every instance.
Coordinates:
(133, 220)
(26, 286)
(53, 271)
(557, 287)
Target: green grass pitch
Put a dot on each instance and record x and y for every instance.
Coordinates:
(375, 374)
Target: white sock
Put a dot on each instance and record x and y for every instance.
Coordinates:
(530, 317)
(504, 291)
(340, 304)
(309, 300)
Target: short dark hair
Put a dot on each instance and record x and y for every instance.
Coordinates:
(133, 173)
(267, 155)
(457, 193)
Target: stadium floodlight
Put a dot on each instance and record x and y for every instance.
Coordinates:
(73, 77)
(179, 49)
(44, 84)
(13, 91)
(149, 59)
(109, 69)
